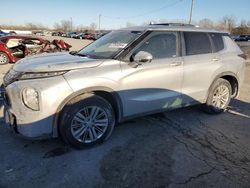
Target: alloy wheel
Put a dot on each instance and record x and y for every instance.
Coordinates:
(89, 124)
(221, 97)
(3, 58)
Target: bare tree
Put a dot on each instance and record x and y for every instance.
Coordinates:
(206, 23)
(31, 26)
(228, 23)
(81, 28)
(34, 26)
(92, 27)
(64, 25)
(242, 29)
(57, 26)
(248, 23)
(243, 23)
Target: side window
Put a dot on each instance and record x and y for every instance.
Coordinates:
(160, 45)
(218, 41)
(13, 42)
(197, 43)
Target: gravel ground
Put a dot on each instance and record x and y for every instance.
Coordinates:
(181, 148)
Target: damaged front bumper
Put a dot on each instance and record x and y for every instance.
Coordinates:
(30, 123)
(10, 120)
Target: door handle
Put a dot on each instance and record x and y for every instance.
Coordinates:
(176, 63)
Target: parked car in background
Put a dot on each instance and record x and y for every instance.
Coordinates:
(71, 34)
(15, 47)
(40, 33)
(59, 33)
(126, 73)
(234, 37)
(79, 36)
(54, 34)
(243, 38)
(3, 33)
(98, 35)
(89, 36)
(64, 35)
(12, 33)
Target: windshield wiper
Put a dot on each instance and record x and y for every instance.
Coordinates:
(78, 54)
(82, 55)
(72, 52)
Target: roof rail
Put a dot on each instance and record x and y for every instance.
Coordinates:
(173, 24)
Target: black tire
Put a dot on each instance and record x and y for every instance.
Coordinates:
(210, 107)
(4, 59)
(76, 106)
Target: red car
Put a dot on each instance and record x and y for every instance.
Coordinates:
(13, 48)
(89, 36)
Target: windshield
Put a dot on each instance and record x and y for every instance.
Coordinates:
(109, 45)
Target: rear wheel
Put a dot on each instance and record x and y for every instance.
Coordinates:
(87, 120)
(219, 97)
(4, 59)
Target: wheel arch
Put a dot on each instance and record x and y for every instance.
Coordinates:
(12, 58)
(232, 78)
(5, 54)
(108, 94)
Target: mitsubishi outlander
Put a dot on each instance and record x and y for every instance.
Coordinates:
(80, 96)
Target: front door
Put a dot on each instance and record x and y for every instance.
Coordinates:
(156, 85)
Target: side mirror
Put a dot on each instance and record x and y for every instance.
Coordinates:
(142, 57)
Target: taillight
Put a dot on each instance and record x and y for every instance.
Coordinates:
(244, 56)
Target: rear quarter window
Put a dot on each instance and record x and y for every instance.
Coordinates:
(217, 41)
(197, 43)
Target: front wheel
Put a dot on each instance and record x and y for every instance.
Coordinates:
(86, 120)
(4, 59)
(219, 97)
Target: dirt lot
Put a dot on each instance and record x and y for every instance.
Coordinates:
(181, 148)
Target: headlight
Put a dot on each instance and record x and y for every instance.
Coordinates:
(31, 98)
(41, 75)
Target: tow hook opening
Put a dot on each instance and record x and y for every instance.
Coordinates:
(10, 121)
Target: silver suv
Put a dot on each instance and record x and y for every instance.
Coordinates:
(131, 72)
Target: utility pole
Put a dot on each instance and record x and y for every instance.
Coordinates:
(191, 12)
(99, 22)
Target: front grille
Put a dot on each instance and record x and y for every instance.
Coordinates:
(10, 77)
(3, 96)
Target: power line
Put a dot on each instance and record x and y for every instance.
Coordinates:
(144, 14)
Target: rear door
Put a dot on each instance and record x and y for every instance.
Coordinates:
(153, 86)
(200, 63)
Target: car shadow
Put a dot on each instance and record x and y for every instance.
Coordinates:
(240, 108)
(148, 141)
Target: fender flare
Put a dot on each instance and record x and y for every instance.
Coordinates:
(115, 95)
(227, 73)
(7, 51)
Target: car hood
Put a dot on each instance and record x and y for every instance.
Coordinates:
(54, 62)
